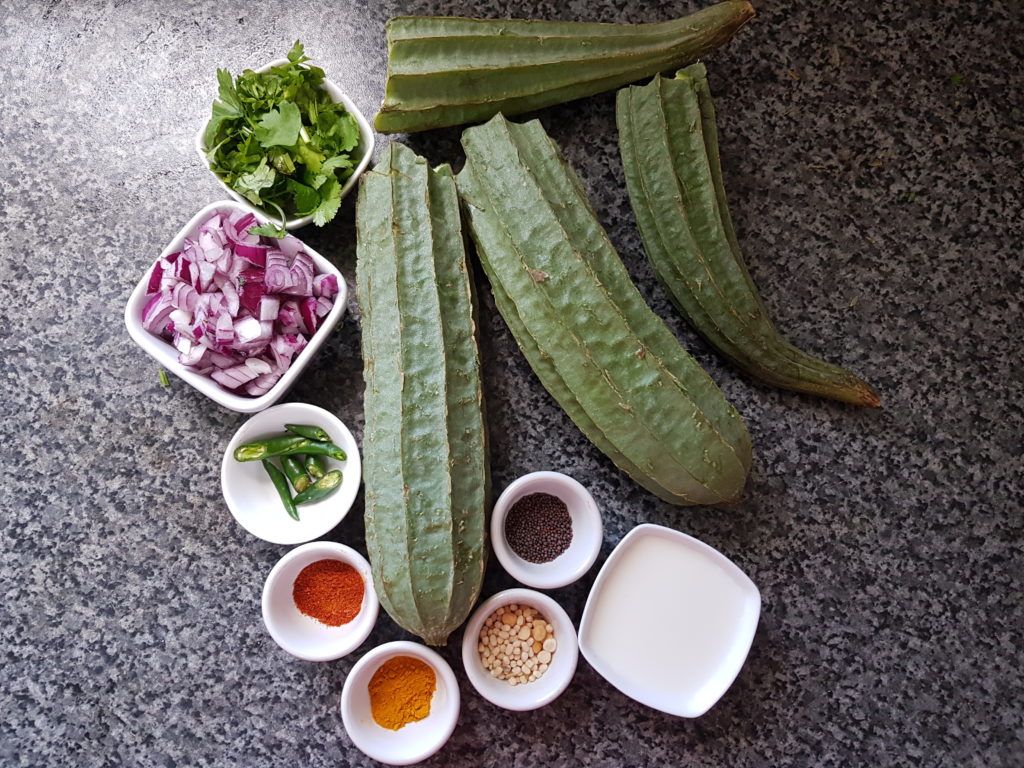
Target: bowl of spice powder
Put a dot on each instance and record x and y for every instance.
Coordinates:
(546, 530)
(318, 601)
(400, 703)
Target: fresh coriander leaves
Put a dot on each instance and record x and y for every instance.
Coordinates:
(330, 201)
(297, 54)
(251, 184)
(279, 127)
(277, 139)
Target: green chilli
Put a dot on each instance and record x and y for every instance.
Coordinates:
(669, 147)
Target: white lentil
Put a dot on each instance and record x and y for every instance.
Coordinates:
(516, 644)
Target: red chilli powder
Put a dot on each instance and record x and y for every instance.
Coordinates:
(329, 591)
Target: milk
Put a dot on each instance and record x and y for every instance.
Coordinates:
(664, 625)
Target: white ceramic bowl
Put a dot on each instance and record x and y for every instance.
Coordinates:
(697, 607)
(587, 531)
(167, 356)
(251, 496)
(548, 686)
(413, 742)
(366, 142)
(302, 635)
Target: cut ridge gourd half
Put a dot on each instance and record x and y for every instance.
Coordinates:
(600, 351)
(425, 447)
(669, 147)
(448, 71)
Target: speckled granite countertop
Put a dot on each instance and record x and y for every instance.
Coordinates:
(873, 156)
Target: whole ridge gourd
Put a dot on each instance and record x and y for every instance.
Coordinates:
(608, 360)
(447, 71)
(669, 147)
(425, 447)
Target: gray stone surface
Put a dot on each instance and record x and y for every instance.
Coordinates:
(872, 152)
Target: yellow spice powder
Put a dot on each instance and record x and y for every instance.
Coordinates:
(400, 692)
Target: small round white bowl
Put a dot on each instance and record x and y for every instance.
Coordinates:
(366, 142)
(587, 531)
(251, 496)
(548, 686)
(167, 356)
(416, 741)
(302, 635)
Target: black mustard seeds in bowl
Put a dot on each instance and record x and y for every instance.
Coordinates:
(538, 527)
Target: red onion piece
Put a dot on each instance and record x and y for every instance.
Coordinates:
(231, 298)
(155, 277)
(157, 312)
(270, 306)
(325, 285)
(277, 276)
(225, 330)
(262, 384)
(290, 246)
(307, 313)
(254, 254)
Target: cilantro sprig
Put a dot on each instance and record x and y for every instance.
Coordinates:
(277, 139)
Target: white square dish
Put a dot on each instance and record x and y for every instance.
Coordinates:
(167, 356)
(669, 621)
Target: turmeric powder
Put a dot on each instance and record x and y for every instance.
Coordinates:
(400, 692)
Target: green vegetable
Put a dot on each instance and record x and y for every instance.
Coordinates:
(321, 489)
(295, 472)
(287, 445)
(281, 484)
(163, 378)
(447, 71)
(669, 148)
(264, 449)
(425, 450)
(309, 432)
(315, 466)
(277, 139)
(604, 356)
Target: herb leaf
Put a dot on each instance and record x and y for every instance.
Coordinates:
(306, 198)
(280, 127)
(297, 54)
(330, 201)
(251, 184)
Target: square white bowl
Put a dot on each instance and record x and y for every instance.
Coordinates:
(366, 143)
(167, 356)
(703, 611)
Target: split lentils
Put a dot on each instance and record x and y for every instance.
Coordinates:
(517, 644)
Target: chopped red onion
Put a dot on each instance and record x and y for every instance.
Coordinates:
(231, 298)
(224, 332)
(277, 276)
(254, 254)
(307, 315)
(155, 277)
(262, 384)
(236, 306)
(270, 306)
(325, 285)
(157, 312)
